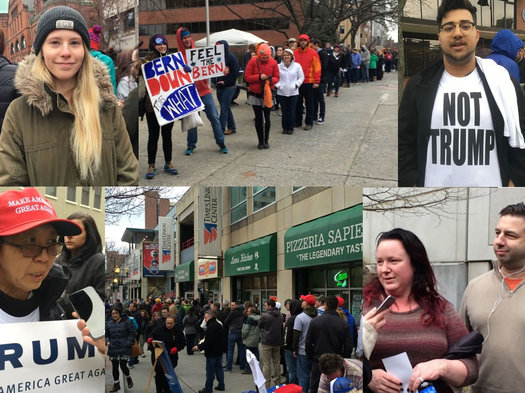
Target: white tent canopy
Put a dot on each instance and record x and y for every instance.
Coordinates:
(234, 37)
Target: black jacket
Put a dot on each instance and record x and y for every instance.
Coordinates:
(295, 310)
(215, 339)
(328, 333)
(415, 113)
(171, 338)
(120, 336)
(234, 321)
(323, 57)
(85, 269)
(7, 86)
(44, 297)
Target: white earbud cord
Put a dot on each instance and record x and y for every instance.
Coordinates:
(500, 298)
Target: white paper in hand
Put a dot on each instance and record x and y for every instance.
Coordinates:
(399, 365)
(258, 377)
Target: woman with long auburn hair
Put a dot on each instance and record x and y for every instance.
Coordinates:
(67, 128)
(420, 322)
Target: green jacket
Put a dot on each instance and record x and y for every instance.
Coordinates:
(373, 61)
(35, 140)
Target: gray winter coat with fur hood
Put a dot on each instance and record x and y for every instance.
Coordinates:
(35, 140)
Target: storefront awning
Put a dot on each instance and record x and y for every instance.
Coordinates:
(184, 272)
(257, 256)
(330, 239)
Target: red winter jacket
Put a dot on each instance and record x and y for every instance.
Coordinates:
(251, 74)
(203, 86)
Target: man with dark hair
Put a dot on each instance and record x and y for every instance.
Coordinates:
(461, 120)
(327, 333)
(8, 91)
(492, 305)
(233, 325)
(214, 345)
(271, 325)
(334, 366)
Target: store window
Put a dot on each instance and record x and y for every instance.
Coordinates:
(71, 194)
(24, 44)
(262, 197)
(85, 196)
(97, 202)
(238, 204)
(51, 191)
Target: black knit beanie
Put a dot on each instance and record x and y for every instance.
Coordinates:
(60, 17)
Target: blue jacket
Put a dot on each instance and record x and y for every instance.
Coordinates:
(233, 64)
(505, 46)
(356, 60)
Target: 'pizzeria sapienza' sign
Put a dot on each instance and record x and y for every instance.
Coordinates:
(171, 90)
(330, 239)
(48, 357)
(206, 63)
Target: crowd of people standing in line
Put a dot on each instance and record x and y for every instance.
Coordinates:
(287, 340)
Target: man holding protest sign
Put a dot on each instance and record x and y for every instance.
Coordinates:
(184, 42)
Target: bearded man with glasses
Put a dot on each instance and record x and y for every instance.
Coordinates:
(30, 282)
(461, 120)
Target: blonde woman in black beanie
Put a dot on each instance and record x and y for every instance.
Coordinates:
(67, 128)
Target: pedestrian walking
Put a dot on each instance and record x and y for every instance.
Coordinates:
(214, 345)
(171, 334)
(190, 323)
(233, 325)
(290, 79)
(185, 41)
(259, 70)
(120, 334)
(226, 87)
(67, 128)
(158, 46)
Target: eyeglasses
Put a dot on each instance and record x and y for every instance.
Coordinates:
(465, 27)
(34, 250)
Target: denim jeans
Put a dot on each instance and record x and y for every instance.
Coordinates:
(291, 364)
(235, 338)
(225, 95)
(213, 117)
(288, 111)
(214, 369)
(364, 73)
(354, 75)
(303, 372)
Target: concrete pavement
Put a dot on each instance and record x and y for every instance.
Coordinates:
(191, 371)
(356, 146)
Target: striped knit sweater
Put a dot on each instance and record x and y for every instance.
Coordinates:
(405, 332)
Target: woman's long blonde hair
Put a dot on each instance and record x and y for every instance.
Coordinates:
(86, 134)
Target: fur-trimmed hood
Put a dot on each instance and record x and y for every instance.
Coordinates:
(38, 95)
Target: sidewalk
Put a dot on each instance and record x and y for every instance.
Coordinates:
(356, 146)
(191, 372)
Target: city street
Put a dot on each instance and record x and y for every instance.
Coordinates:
(356, 146)
(191, 372)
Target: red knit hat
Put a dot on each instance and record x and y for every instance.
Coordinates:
(340, 301)
(22, 210)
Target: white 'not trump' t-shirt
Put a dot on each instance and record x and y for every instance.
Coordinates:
(462, 144)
